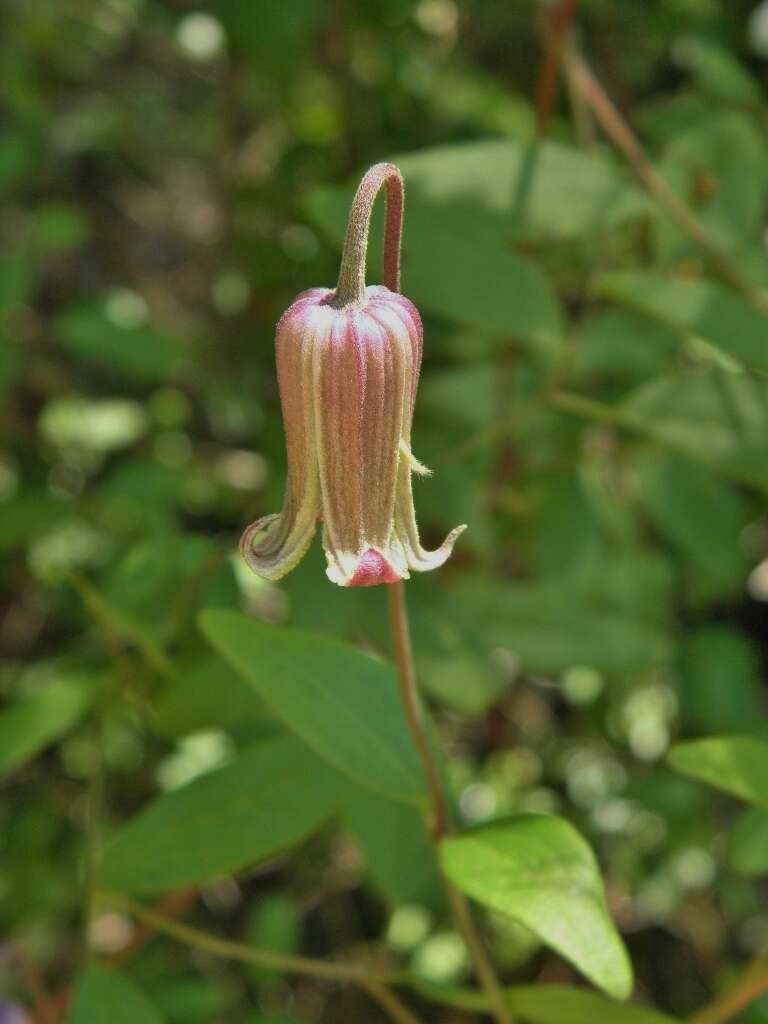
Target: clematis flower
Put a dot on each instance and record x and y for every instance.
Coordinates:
(348, 362)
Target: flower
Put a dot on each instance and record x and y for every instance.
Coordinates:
(348, 364)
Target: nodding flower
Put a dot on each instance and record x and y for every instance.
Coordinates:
(348, 362)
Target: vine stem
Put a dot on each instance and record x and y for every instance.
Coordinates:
(753, 983)
(618, 131)
(438, 822)
(374, 982)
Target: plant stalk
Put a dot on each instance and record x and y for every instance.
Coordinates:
(438, 824)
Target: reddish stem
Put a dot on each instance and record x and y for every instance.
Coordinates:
(558, 21)
(351, 284)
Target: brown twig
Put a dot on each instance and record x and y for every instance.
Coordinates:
(753, 983)
(43, 1005)
(557, 23)
(621, 135)
(373, 981)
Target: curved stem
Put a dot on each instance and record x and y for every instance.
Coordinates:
(438, 824)
(251, 954)
(351, 283)
(753, 983)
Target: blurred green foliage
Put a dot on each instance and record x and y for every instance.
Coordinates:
(594, 404)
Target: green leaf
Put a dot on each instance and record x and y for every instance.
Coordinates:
(700, 515)
(138, 351)
(720, 418)
(696, 307)
(396, 849)
(205, 692)
(551, 1004)
(720, 685)
(17, 279)
(748, 843)
(32, 723)
(265, 800)
(537, 191)
(736, 764)
(341, 702)
(540, 871)
(104, 995)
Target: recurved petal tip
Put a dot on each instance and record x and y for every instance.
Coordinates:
(278, 550)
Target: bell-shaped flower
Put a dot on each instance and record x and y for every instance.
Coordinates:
(348, 364)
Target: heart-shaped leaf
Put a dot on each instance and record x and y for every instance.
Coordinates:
(540, 871)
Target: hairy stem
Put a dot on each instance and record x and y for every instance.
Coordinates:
(438, 823)
(618, 131)
(351, 283)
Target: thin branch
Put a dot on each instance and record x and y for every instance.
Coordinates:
(44, 1006)
(557, 24)
(621, 135)
(327, 970)
(752, 984)
(390, 1003)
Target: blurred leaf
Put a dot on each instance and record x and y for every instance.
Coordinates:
(341, 702)
(26, 516)
(398, 854)
(102, 994)
(273, 35)
(541, 872)
(553, 1004)
(273, 922)
(94, 424)
(204, 692)
(625, 344)
(697, 307)
(720, 681)
(15, 158)
(265, 800)
(17, 279)
(542, 191)
(716, 69)
(700, 516)
(59, 226)
(32, 723)
(553, 625)
(736, 764)
(748, 843)
(717, 417)
(157, 579)
(88, 333)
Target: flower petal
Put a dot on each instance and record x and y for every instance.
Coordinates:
(289, 534)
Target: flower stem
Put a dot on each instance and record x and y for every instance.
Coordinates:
(351, 283)
(438, 822)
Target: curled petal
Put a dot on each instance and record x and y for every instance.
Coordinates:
(280, 549)
(417, 557)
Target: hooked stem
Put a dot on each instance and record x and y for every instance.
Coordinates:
(351, 283)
